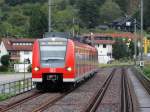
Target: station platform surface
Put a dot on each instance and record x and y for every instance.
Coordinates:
(6, 78)
(142, 95)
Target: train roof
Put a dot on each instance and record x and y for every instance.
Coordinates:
(58, 34)
(53, 39)
(64, 36)
(79, 44)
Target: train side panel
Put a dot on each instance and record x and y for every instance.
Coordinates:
(85, 57)
(36, 75)
(69, 76)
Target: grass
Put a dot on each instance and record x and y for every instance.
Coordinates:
(5, 96)
(146, 70)
(14, 89)
(117, 63)
(3, 73)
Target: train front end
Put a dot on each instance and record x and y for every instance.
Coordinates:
(53, 62)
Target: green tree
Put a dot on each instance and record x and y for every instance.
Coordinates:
(6, 28)
(17, 19)
(147, 15)
(16, 2)
(120, 50)
(62, 5)
(88, 13)
(131, 49)
(1, 2)
(5, 60)
(38, 22)
(110, 11)
(72, 2)
(124, 4)
(63, 20)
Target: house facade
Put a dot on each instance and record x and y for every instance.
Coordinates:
(103, 45)
(104, 51)
(104, 48)
(19, 49)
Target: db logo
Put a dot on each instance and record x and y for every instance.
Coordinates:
(52, 70)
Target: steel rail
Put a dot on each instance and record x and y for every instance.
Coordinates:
(19, 102)
(96, 100)
(51, 102)
(126, 95)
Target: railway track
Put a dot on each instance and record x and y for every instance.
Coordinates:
(112, 84)
(143, 79)
(96, 100)
(127, 104)
(47, 101)
(50, 102)
(19, 102)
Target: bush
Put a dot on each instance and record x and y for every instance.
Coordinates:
(3, 68)
(29, 68)
(147, 70)
(5, 60)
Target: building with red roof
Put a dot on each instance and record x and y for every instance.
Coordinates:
(103, 45)
(19, 49)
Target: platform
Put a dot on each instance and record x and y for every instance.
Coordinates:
(142, 96)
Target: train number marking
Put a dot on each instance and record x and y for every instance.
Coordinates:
(52, 70)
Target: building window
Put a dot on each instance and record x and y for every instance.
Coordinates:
(104, 45)
(26, 52)
(109, 54)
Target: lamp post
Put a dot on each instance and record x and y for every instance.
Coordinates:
(141, 35)
(49, 16)
(135, 41)
(24, 68)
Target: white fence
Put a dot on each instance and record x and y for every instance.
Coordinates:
(17, 87)
(21, 67)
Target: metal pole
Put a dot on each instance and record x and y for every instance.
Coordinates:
(49, 16)
(73, 30)
(24, 69)
(141, 46)
(24, 77)
(135, 41)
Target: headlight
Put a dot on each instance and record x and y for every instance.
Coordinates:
(36, 69)
(69, 69)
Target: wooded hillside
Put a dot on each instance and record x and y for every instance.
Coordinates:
(29, 18)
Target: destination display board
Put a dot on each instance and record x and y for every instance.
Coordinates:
(53, 43)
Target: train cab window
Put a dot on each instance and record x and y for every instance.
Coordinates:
(53, 56)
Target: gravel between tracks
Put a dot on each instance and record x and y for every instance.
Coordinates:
(34, 103)
(112, 99)
(78, 99)
(73, 102)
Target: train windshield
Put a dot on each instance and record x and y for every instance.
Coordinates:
(53, 56)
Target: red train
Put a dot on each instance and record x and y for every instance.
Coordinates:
(61, 61)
